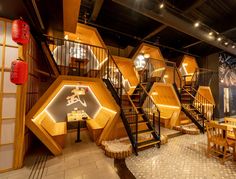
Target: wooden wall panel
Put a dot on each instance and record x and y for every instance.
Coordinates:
(164, 94)
(127, 68)
(153, 51)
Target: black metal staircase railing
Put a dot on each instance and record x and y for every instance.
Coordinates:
(150, 109)
(76, 58)
(202, 77)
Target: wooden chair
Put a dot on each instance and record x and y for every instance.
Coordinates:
(218, 143)
(231, 122)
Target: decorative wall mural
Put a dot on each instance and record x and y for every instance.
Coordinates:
(227, 69)
(73, 97)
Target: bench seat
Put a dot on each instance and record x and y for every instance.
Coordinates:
(96, 126)
(57, 130)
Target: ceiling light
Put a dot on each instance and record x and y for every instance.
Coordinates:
(219, 39)
(196, 24)
(66, 37)
(161, 5)
(226, 43)
(210, 33)
(140, 57)
(154, 93)
(146, 55)
(233, 46)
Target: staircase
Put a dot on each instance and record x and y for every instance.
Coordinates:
(195, 106)
(139, 114)
(142, 122)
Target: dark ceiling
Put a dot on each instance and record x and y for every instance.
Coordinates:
(120, 26)
(51, 13)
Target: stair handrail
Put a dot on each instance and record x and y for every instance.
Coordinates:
(201, 105)
(156, 111)
(73, 41)
(203, 97)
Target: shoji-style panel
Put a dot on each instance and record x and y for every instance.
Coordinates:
(8, 97)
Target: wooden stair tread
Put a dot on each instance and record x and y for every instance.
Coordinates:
(185, 121)
(139, 122)
(132, 115)
(147, 143)
(128, 107)
(144, 131)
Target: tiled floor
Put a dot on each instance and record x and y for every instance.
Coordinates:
(170, 132)
(79, 161)
(183, 157)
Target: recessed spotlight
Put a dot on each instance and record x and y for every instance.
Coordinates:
(210, 33)
(219, 39)
(233, 46)
(161, 5)
(196, 24)
(226, 43)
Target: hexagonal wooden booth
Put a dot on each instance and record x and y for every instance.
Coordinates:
(187, 67)
(131, 77)
(47, 119)
(168, 103)
(86, 43)
(153, 54)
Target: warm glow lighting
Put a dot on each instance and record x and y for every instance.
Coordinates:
(140, 57)
(155, 93)
(185, 64)
(219, 39)
(233, 46)
(168, 106)
(166, 76)
(45, 109)
(210, 33)
(146, 55)
(196, 24)
(226, 43)
(161, 5)
(66, 37)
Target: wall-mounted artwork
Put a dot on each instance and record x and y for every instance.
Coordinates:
(71, 97)
(227, 69)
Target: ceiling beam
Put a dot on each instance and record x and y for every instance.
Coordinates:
(162, 27)
(70, 14)
(198, 42)
(181, 24)
(96, 9)
(192, 44)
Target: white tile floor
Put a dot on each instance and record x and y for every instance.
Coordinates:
(83, 160)
(182, 158)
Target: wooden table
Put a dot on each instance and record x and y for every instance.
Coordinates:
(79, 119)
(230, 132)
(78, 63)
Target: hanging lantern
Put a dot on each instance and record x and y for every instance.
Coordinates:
(19, 72)
(20, 32)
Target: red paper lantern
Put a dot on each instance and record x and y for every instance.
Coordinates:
(20, 31)
(19, 72)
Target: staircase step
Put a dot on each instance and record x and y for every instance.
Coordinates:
(129, 107)
(139, 122)
(147, 143)
(143, 131)
(133, 115)
(186, 121)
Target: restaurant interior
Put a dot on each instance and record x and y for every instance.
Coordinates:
(117, 89)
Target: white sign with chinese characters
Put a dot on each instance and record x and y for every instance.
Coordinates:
(76, 97)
